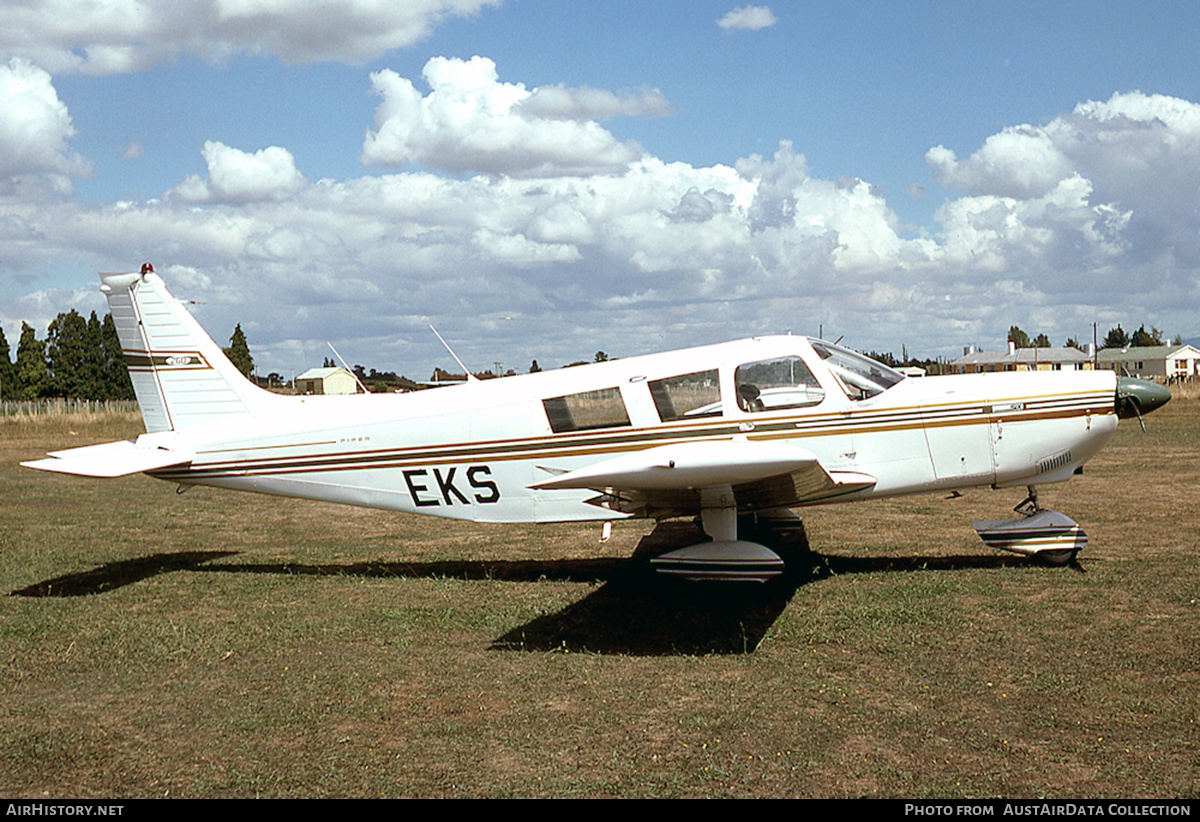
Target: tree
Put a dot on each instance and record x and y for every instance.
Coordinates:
(1142, 338)
(600, 357)
(1041, 341)
(442, 375)
(534, 367)
(30, 372)
(1016, 335)
(6, 368)
(885, 357)
(1073, 342)
(69, 363)
(238, 352)
(1115, 338)
(115, 376)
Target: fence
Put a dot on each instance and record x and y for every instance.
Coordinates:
(59, 407)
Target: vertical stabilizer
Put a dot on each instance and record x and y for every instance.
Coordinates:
(181, 377)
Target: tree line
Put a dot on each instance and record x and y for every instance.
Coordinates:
(78, 359)
(1115, 338)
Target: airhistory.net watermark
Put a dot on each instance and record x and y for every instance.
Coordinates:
(61, 809)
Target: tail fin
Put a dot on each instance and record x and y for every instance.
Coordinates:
(181, 377)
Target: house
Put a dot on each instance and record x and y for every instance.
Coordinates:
(1149, 361)
(326, 381)
(1022, 359)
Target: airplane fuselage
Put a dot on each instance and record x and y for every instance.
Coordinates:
(472, 451)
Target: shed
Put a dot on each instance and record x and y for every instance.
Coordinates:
(326, 381)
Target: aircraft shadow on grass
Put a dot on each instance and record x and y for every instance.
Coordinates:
(633, 611)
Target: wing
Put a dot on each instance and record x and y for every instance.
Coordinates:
(669, 479)
(112, 459)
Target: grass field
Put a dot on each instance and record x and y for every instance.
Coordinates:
(216, 644)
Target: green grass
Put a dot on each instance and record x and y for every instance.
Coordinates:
(216, 644)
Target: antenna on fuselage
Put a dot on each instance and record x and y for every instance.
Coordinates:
(470, 377)
(347, 367)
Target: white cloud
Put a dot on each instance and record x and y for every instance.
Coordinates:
(1018, 162)
(751, 18)
(1090, 216)
(34, 125)
(471, 122)
(119, 36)
(1137, 154)
(238, 177)
(584, 103)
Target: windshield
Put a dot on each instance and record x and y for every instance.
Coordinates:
(862, 376)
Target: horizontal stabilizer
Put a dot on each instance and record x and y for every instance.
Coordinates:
(112, 459)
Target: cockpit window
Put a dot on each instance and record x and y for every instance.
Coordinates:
(862, 376)
(769, 385)
(687, 396)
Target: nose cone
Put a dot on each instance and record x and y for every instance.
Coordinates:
(1136, 397)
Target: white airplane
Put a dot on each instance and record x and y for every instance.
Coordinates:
(757, 426)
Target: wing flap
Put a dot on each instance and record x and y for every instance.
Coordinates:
(112, 459)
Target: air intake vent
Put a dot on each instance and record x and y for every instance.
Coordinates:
(1054, 462)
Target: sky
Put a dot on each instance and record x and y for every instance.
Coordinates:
(545, 180)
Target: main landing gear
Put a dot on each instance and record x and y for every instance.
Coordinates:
(726, 558)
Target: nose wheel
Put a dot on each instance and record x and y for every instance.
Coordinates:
(1047, 537)
(1057, 558)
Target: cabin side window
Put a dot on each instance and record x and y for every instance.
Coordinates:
(586, 410)
(687, 396)
(770, 385)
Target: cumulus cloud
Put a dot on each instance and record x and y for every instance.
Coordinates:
(1137, 155)
(584, 103)
(1021, 162)
(133, 35)
(238, 177)
(751, 18)
(34, 125)
(1091, 216)
(472, 122)
(695, 207)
